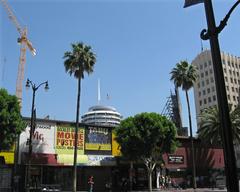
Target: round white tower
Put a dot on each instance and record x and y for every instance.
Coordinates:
(102, 115)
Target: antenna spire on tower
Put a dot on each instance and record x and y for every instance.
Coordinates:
(99, 94)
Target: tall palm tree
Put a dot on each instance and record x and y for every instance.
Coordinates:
(184, 75)
(209, 125)
(79, 60)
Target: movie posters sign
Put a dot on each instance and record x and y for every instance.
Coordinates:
(98, 139)
(65, 140)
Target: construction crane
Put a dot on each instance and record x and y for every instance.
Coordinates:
(25, 43)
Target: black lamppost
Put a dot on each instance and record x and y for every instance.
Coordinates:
(32, 125)
(226, 127)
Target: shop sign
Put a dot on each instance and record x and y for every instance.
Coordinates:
(97, 160)
(175, 159)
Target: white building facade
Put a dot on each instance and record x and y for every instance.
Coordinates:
(205, 90)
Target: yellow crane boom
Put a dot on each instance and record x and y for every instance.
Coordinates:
(25, 43)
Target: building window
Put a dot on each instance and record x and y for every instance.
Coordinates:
(206, 73)
(202, 75)
(203, 83)
(227, 88)
(199, 93)
(232, 64)
(234, 73)
(207, 81)
(234, 98)
(211, 71)
(232, 89)
(236, 89)
(230, 72)
(205, 101)
(213, 89)
(228, 97)
(228, 63)
(198, 85)
(231, 79)
(205, 64)
(214, 97)
(204, 92)
(209, 99)
(200, 102)
(212, 80)
(226, 79)
(201, 67)
(224, 69)
(208, 90)
(235, 80)
(237, 74)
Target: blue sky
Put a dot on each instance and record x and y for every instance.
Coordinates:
(137, 43)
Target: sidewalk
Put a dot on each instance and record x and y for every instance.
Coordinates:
(175, 190)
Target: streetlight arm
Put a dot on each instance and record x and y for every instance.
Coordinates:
(205, 34)
(40, 85)
(223, 23)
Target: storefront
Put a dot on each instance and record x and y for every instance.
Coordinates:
(53, 148)
(99, 156)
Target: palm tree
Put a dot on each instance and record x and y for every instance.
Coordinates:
(78, 61)
(209, 130)
(184, 75)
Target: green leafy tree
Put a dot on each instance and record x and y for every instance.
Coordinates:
(11, 122)
(184, 75)
(78, 61)
(146, 136)
(209, 127)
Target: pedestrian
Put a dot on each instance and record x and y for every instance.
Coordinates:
(90, 183)
(108, 186)
(124, 184)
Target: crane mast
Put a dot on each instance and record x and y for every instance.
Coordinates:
(25, 43)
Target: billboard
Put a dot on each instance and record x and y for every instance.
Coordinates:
(98, 140)
(65, 142)
(53, 143)
(65, 139)
(42, 141)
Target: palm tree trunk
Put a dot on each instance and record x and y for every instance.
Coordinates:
(76, 138)
(192, 145)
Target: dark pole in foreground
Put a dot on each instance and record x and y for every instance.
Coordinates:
(32, 127)
(226, 128)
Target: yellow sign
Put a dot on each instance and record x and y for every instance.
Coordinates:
(65, 140)
(8, 156)
(98, 146)
(115, 147)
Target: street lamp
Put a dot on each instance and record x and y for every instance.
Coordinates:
(225, 121)
(34, 87)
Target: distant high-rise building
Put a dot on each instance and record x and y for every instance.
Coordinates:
(102, 115)
(205, 89)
